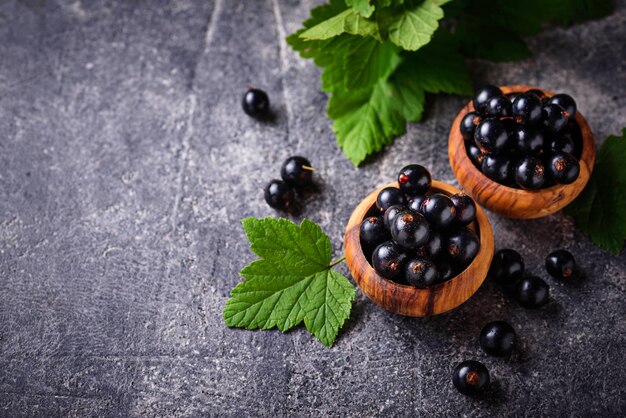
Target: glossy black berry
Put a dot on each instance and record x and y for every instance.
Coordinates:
(256, 103)
(530, 173)
(497, 168)
(527, 109)
(279, 195)
(492, 136)
(532, 292)
(433, 247)
(566, 101)
(391, 213)
(540, 94)
(498, 106)
(497, 339)
(462, 246)
(507, 266)
(415, 202)
(389, 196)
(409, 229)
(373, 231)
(446, 272)
(420, 272)
(439, 211)
(474, 153)
(414, 179)
(297, 171)
(563, 168)
(482, 96)
(388, 260)
(562, 144)
(468, 125)
(529, 140)
(554, 117)
(465, 208)
(561, 264)
(470, 377)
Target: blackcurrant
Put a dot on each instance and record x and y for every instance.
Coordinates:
(497, 168)
(420, 272)
(415, 202)
(439, 211)
(563, 168)
(470, 377)
(527, 109)
(390, 215)
(529, 140)
(530, 173)
(433, 247)
(498, 106)
(561, 264)
(297, 171)
(468, 125)
(540, 94)
(554, 117)
(462, 246)
(279, 195)
(465, 208)
(414, 179)
(497, 339)
(474, 153)
(566, 102)
(483, 95)
(389, 196)
(409, 229)
(507, 266)
(388, 260)
(562, 144)
(532, 292)
(256, 103)
(373, 231)
(446, 272)
(492, 136)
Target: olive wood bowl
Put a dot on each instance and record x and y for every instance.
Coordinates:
(508, 201)
(409, 300)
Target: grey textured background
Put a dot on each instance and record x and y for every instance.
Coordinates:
(126, 165)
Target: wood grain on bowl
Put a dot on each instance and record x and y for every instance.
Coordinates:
(409, 300)
(508, 201)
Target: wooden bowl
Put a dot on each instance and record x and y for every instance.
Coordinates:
(409, 300)
(508, 201)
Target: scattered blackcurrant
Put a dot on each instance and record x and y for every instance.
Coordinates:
(388, 260)
(279, 195)
(470, 377)
(390, 196)
(439, 211)
(507, 266)
(561, 264)
(483, 95)
(563, 168)
(465, 208)
(530, 173)
(297, 171)
(462, 246)
(256, 103)
(566, 102)
(409, 229)
(527, 109)
(468, 125)
(532, 292)
(373, 231)
(492, 136)
(414, 179)
(497, 339)
(421, 272)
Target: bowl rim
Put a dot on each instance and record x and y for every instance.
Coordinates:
(363, 273)
(588, 153)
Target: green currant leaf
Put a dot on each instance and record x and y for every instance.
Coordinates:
(292, 281)
(414, 26)
(348, 21)
(363, 7)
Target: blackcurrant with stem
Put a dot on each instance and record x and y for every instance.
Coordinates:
(470, 377)
(527, 109)
(498, 106)
(391, 213)
(492, 135)
(279, 195)
(256, 103)
(532, 292)
(497, 168)
(421, 272)
(530, 173)
(554, 117)
(465, 208)
(439, 211)
(468, 125)
(561, 264)
(297, 171)
(373, 232)
(462, 246)
(529, 140)
(409, 229)
(388, 260)
(497, 339)
(390, 196)
(414, 179)
(507, 266)
(566, 101)
(563, 168)
(482, 96)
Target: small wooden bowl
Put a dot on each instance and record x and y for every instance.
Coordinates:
(507, 201)
(409, 300)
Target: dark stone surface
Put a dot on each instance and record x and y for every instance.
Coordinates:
(126, 165)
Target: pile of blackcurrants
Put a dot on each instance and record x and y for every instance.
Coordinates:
(523, 140)
(417, 237)
(297, 174)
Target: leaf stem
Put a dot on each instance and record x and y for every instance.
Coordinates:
(334, 263)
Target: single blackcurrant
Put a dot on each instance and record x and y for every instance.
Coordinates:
(439, 211)
(530, 173)
(279, 195)
(562, 144)
(420, 272)
(540, 94)
(297, 171)
(391, 213)
(390, 196)
(566, 102)
(561, 264)
(554, 117)
(388, 260)
(498, 106)
(532, 292)
(529, 140)
(506, 267)
(474, 153)
(468, 125)
(415, 202)
(433, 247)
(492, 136)
(470, 377)
(462, 246)
(497, 167)
(465, 208)
(256, 103)
(526, 109)
(563, 168)
(483, 95)
(373, 231)
(497, 339)
(414, 179)
(409, 229)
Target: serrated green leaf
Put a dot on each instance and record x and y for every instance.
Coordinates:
(368, 61)
(414, 26)
(600, 210)
(363, 7)
(348, 21)
(291, 282)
